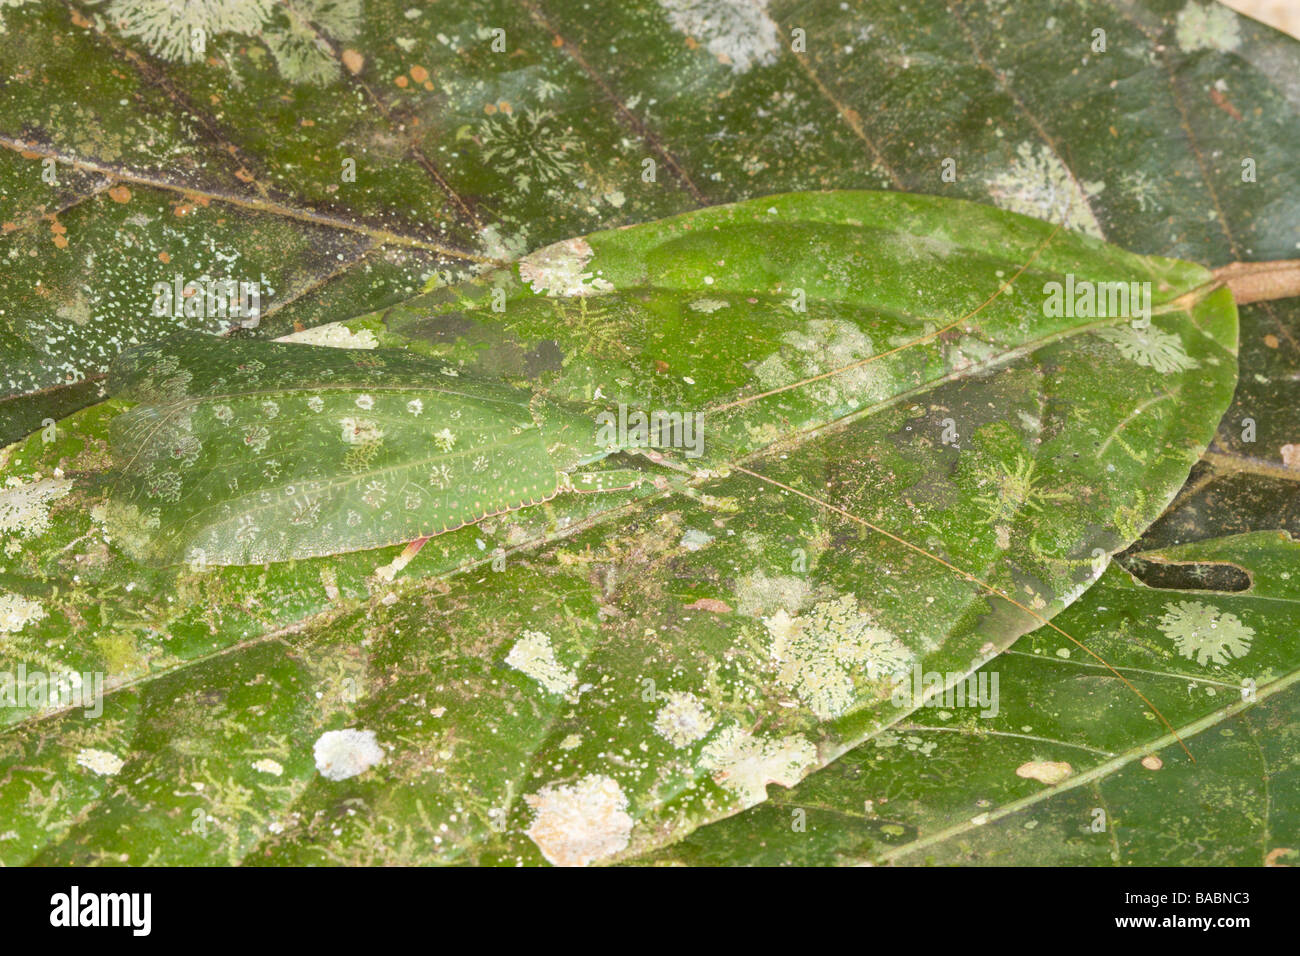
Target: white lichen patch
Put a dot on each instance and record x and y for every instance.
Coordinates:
(708, 306)
(16, 612)
(185, 31)
(694, 539)
(180, 31)
(1049, 772)
(1207, 26)
(561, 270)
(757, 594)
(738, 32)
(578, 824)
(825, 345)
(746, 764)
(25, 506)
(1152, 347)
(267, 765)
(683, 719)
(334, 335)
(1038, 184)
(821, 654)
(343, 754)
(533, 656)
(100, 761)
(360, 431)
(1201, 632)
(530, 147)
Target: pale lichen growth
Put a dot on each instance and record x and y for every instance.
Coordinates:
(1207, 26)
(100, 761)
(181, 31)
(683, 719)
(530, 148)
(820, 654)
(738, 33)
(1152, 347)
(694, 539)
(333, 335)
(757, 594)
(561, 270)
(708, 306)
(1202, 632)
(16, 612)
(185, 31)
(746, 764)
(1038, 184)
(343, 754)
(267, 765)
(821, 346)
(25, 506)
(578, 824)
(359, 431)
(533, 656)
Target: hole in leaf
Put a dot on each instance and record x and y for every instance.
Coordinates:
(1192, 576)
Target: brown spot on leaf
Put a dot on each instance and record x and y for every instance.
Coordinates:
(1152, 762)
(119, 193)
(353, 60)
(402, 81)
(1222, 103)
(419, 74)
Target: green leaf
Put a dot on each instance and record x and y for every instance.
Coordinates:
(275, 451)
(648, 659)
(1065, 773)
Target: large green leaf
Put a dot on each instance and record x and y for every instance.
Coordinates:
(674, 652)
(1065, 773)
